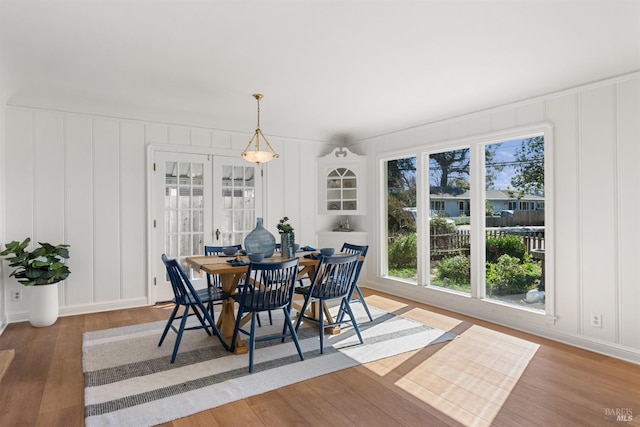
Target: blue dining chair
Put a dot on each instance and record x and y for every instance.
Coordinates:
(193, 302)
(268, 286)
(214, 279)
(333, 279)
(349, 248)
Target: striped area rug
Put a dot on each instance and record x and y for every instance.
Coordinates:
(130, 382)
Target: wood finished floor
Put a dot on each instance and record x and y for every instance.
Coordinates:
(490, 375)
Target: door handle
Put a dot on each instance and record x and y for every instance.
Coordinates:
(217, 234)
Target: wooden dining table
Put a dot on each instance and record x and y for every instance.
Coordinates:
(231, 275)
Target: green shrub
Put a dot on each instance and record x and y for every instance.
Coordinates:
(456, 270)
(510, 276)
(505, 245)
(403, 251)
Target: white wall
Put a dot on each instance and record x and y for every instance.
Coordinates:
(3, 296)
(81, 179)
(597, 202)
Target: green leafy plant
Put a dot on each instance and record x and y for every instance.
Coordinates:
(42, 266)
(510, 276)
(403, 251)
(509, 245)
(284, 226)
(456, 270)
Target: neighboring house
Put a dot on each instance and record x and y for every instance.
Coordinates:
(454, 203)
(509, 200)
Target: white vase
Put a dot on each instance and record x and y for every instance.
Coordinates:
(43, 309)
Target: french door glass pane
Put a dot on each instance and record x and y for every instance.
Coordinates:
(185, 177)
(185, 245)
(184, 209)
(238, 199)
(198, 173)
(184, 221)
(198, 198)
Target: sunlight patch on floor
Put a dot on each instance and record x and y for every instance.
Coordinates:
(471, 377)
(432, 319)
(387, 365)
(385, 304)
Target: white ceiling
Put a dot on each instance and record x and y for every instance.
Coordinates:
(329, 69)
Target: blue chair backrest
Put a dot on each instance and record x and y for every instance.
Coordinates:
(269, 285)
(217, 250)
(214, 280)
(180, 282)
(352, 249)
(334, 275)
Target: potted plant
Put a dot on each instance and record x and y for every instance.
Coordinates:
(40, 269)
(287, 238)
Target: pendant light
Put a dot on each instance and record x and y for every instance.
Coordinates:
(256, 155)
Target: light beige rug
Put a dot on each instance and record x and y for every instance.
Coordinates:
(130, 382)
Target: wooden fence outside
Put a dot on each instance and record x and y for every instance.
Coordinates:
(519, 218)
(459, 242)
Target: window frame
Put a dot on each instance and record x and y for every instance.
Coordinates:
(476, 146)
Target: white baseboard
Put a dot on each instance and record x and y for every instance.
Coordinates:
(23, 316)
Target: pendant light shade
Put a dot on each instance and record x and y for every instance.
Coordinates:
(252, 152)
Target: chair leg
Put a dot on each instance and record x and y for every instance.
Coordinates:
(321, 323)
(294, 335)
(252, 340)
(183, 322)
(169, 323)
(284, 324)
(302, 311)
(340, 315)
(236, 328)
(214, 328)
(347, 307)
(210, 309)
(364, 303)
(360, 299)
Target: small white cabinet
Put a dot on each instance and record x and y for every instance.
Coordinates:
(341, 180)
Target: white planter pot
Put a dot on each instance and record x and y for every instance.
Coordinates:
(43, 310)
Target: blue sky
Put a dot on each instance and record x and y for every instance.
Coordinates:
(505, 153)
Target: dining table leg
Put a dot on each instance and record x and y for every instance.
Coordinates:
(227, 319)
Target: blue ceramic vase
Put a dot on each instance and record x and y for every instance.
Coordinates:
(260, 240)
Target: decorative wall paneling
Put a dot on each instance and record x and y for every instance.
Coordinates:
(81, 179)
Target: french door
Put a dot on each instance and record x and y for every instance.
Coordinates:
(235, 198)
(197, 200)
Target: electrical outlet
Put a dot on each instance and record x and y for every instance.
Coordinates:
(16, 296)
(596, 320)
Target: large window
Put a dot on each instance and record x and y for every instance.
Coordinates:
(515, 229)
(401, 218)
(471, 219)
(449, 239)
